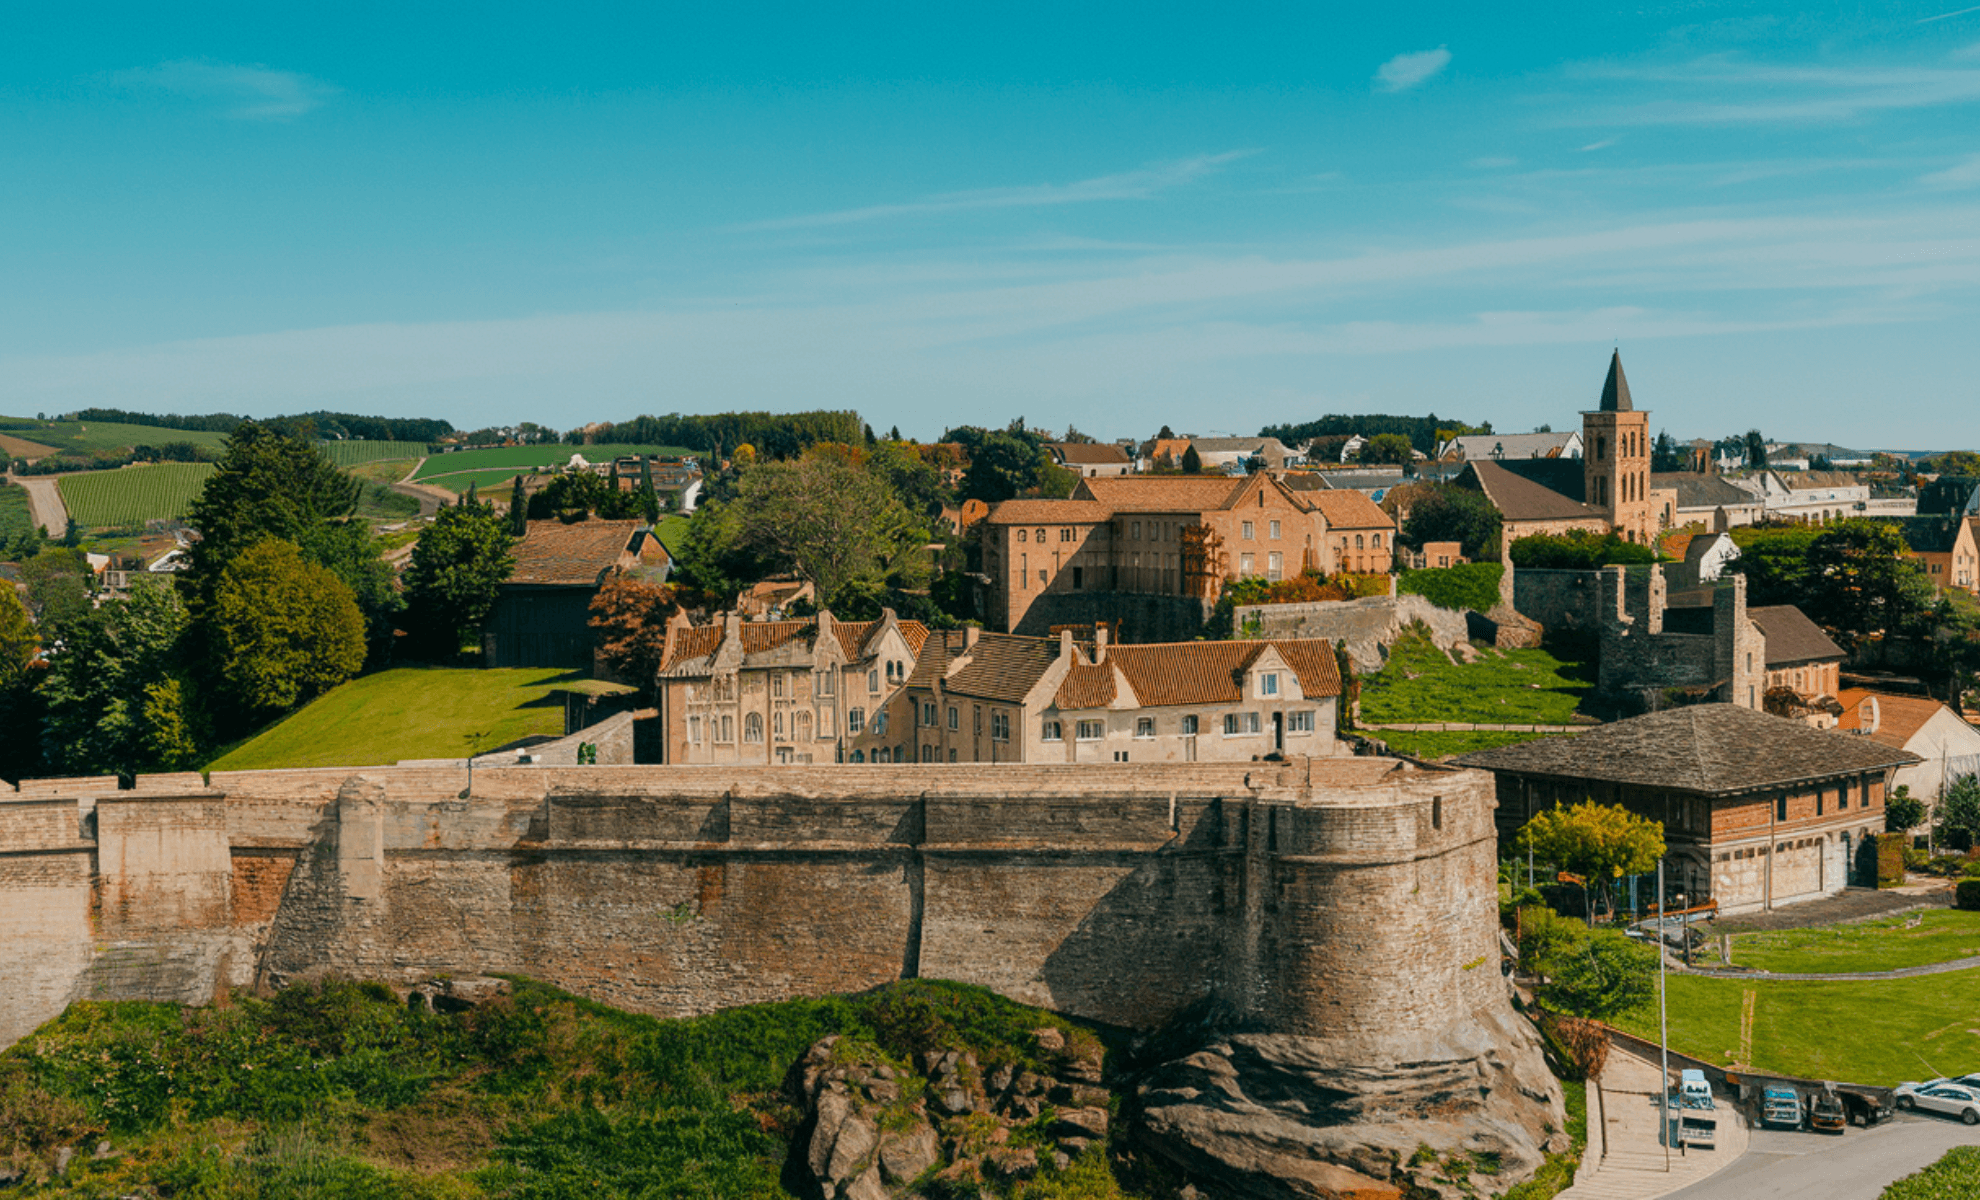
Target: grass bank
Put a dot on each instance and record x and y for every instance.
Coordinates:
(1880, 1032)
(1430, 745)
(1954, 1177)
(407, 712)
(1883, 944)
(1420, 683)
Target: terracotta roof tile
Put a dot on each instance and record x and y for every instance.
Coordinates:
(1004, 666)
(1087, 685)
(1160, 493)
(1345, 508)
(695, 641)
(1899, 718)
(759, 636)
(1048, 512)
(552, 552)
(1713, 749)
(1091, 453)
(1176, 673)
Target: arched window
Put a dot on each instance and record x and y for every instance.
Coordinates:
(801, 726)
(1357, 542)
(859, 756)
(728, 729)
(1376, 541)
(753, 727)
(777, 726)
(1022, 534)
(1041, 537)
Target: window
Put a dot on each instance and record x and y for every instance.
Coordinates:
(694, 729)
(753, 727)
(1300, 722)
(1247, 564)
(1189, 726)
(1357, 542)
(1250, 531)
(728, 729)
(1000, 726)
(1134, 531)
(824, 680)
(1065, 535)
(855, 720)
(1041, 537)
(1275, 565)
(1375, 541)
(928, 714)
(976, 719)
(1780, 809)
(1240, 724)
(859, 756)
(928, 754)
(1144, 727)
(880, 723)
(777, 725)
(873, 681)
(1079, 577)
(1842, 795)
(1268, 683)
(1052, 731)
(953, 721)
(1024, 570)
(1275, 530)
(1091, 731)
(1021, 534)
(777, 684)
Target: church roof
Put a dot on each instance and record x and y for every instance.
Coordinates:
(1615, 392)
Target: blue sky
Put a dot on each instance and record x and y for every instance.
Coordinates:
(1115, 216)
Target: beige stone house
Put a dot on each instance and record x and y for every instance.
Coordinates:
(765, 692)
(1946, 746)
(989, 697)
(1947, 548)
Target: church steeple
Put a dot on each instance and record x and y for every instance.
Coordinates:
(1615, 393)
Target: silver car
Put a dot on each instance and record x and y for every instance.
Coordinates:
(1942, 1096)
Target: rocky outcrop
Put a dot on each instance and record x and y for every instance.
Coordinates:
(1266, 1117)
(1368, 626)
(879, 1130)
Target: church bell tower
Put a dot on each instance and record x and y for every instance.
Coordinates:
(1615, 459)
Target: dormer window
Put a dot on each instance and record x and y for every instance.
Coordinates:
(1268, 683)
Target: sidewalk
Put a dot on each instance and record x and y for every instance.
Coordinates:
(1625, 1106)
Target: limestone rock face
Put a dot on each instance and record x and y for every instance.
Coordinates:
(1267, 1117)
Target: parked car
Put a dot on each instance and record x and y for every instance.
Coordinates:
(1780, 1108)
(1825, 1113)
(1941, 1096)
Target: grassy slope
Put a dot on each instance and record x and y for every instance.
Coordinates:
(1419, 683)
(352, 453)
(670, 531)
(384, 470)
(1881, 945)
(514, 458)
(1952, 1177)
(1877, 1032)
(341, 1091)
(102, 435)
(1444, 745)
(14, 512)
(133, 495)
(407, 712)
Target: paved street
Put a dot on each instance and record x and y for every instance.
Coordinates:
(1810, 1166)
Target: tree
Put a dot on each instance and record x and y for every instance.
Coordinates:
(1666, 455)
(1903, 812)
(96, 719)
(831, 522)
(518, 509)
(648, 499)
(1955, 462)
(1606, 976)
(1165, 434)
(18, 643)
(575, 495)
(1385, 448)
(267, 486)
(1756, 449)
(455, 575)
(1192, 462)
(347, 549)
(712, 558)
(1860, 583)
(1577, 550)
(1454, 514)
(286, 630)
(630, 617)
(57, 582)
(1775, 563)
(1002, 465)
(1599, 842)
(1959, 811)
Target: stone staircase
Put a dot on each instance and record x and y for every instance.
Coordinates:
(1630, 1163)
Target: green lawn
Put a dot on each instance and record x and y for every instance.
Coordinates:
(102, 436)
(1430, 745)
(1885, 944)
(351, 452)
(1510, 687)
(1954, 1177)
(514, 458)
(133, 495)
(1879, 1032)
(671, 531)
(407, 712)
(383, 470)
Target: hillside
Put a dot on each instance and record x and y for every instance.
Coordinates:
(132, 495)
(339, 1089)
(101, 437)
(407, 712)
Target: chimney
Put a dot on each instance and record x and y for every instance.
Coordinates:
(732, 627)
(1066, 643)
(1099, 642)
(824, 624)
(970, 634)
(1870, 716)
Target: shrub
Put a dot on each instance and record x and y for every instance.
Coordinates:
(1890, 859)
(1577, 550)
(1966, 895)
(1468, 585)
(1945, 866)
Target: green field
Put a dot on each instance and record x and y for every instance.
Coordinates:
(514, 458)
(351, 453)
(101, 436)
(14, 513)
(1420, 683)
(132, 495)
(1880, 1032)
(1954, 1177)
(383, 470)
(407, 712)
(1885, 944)
(380, 503)
(1434, 745)
(490, 481)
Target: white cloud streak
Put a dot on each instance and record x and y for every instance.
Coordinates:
(1747, 92)
(1406, 71)
(249, 93)
(1142, 184)
(1962, 175)
(1947, 16)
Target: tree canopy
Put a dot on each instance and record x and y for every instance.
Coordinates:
(455, 575)
(1577, 550)
(1424, 433)
(1385, 448)
(629, 617)
(1444, 513)
(828, 520)
(286, 629)
(1599, 842)
(99, 717)
(268, 486)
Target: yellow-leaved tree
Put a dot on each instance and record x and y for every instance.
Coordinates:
(1595, 841)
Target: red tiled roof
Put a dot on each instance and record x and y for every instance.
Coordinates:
(1345, 508)
(853, 634)
(1087, 685)
(1177, 673)
(1899, 718)
(1159, 493)
(1004, 666)
(759, 636)
(1048, 512)
(695, 641)
(552, 552)
(1090, 453)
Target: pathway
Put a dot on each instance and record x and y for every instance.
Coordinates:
(1784, 1164)
(45, 507)
(1624, 1160)
(1855, 904)
(1940, 968)
(430, 498)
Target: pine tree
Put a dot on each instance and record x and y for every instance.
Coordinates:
(1192, 463)
(649, 500)
(518, 509)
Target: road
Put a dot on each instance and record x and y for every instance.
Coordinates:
(1859, 1165)
(45, 507)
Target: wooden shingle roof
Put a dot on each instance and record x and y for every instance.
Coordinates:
(1712, 749)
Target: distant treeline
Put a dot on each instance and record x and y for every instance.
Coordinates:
(322, 424)
(774, 435)
(103, 460)
(1423, 432)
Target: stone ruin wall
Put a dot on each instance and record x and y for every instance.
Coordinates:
(1350, 901)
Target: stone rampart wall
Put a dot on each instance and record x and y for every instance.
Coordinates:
(1349, 901)
(1368, 626)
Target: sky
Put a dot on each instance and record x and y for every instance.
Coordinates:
(1110, 216)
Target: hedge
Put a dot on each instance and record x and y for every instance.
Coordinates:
(1966, 895)
(1890, 859)
(1467, 585)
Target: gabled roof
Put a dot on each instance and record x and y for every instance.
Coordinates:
(1047, 512)
(1003, 666)
(1194, 673)
(1713, 749)
(1702, 491)
(1345, 508)
(1899, 718)
(1088, 685)
(688, 646)
(1520, 499)
(1159, 493)
(1563, 475)
(1615, 389)
(1809, 481)
(1512, 445)
(1792, 637)
(1090, 453)
(1236, 445)
(552, 552)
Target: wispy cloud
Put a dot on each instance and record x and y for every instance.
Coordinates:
(1604, 144)
(1142, 184)
(1406, 71)
(251, 93)
(1747, 92)
(1947, 16)
(1963, 175)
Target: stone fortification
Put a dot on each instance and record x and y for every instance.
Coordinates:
(1369, 626)
(1348, 905)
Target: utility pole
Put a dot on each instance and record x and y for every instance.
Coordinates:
(1663, 1032)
